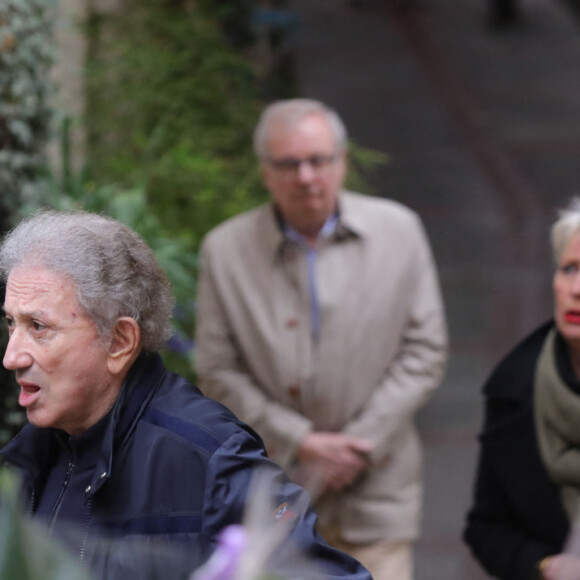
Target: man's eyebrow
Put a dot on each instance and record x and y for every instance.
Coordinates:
(27, 314)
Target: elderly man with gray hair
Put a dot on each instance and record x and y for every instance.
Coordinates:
(320, 323)
(117, 447)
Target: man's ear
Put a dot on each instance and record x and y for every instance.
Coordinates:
(125, 345)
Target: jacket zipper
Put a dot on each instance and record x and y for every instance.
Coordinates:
(58, 504)
(90, 504)
(32, 502)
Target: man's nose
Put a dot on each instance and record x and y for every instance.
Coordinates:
(16, 355)
(305, 171)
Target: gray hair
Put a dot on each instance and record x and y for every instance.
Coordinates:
(291, 111)
(567, 224)
(114, 271)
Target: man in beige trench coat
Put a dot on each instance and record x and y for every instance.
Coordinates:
(321, 324)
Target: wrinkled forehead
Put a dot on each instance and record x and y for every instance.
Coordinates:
(30, 283)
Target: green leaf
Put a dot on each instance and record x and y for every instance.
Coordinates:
(27, 552)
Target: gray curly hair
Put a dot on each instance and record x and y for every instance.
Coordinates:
(567, 224)
(114, 271)
(291, 111)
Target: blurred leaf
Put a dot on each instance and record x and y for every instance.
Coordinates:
(27, 551)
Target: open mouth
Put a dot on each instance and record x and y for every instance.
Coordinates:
(28, 394)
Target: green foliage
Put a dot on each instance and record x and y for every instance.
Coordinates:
(12, 417)
(194, 191)
(172, 106)
(363, 162)
(25, 58)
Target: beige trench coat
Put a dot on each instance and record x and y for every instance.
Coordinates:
(380, 354)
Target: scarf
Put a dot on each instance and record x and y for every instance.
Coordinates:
(557, 419)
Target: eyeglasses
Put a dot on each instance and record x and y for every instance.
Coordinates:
(292, 165)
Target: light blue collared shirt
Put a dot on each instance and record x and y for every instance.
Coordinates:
(311, 256)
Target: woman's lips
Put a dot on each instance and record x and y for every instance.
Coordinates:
(572, 316)
(28, 394)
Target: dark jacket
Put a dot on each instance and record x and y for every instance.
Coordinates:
(174, 469)
(517, 517)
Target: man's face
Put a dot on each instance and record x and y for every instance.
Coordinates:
(306, 193)
(566, 286)
(55, 352)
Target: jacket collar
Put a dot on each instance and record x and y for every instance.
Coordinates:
(513, 377)
(350, 224)
(140, 385)
(352, 221)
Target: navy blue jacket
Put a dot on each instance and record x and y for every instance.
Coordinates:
(174, 469)
(517, 517)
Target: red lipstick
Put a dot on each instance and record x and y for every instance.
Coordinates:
(572, 316)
